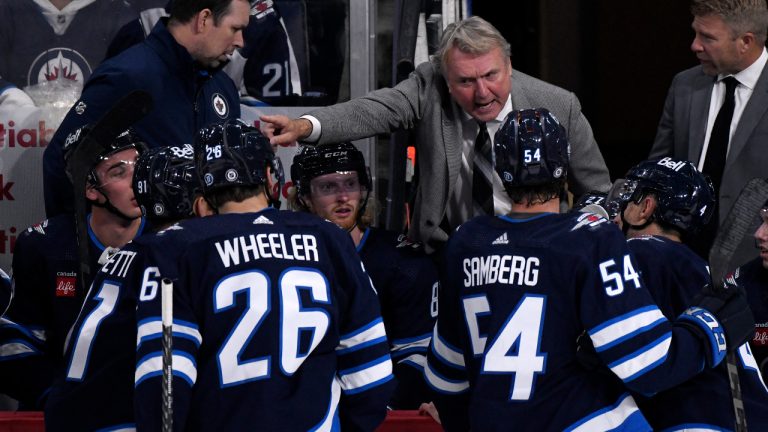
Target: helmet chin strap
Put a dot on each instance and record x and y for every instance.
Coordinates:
(110, 207)
(349, 231)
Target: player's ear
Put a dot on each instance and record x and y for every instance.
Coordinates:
(647, 206)
(273, 184)
(202, 208)
(91, 193)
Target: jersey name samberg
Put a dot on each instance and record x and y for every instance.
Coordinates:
(302, 247)
(506, 269)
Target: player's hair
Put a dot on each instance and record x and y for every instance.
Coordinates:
(472, 35)
(183, 10)
(740, 15)
(218, 197)
(532, 195)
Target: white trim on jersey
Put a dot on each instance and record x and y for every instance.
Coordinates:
(609, 419)
(366, 336)
(184, 367)
(625, 326)
(367, 375)
(648, 357)
(442, 384)
(152, 329)
(446, 353)
(326, 424)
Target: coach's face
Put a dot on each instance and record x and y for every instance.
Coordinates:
(716, 46)
(761, 237)
(480, 84)
(336, 197)
(220, 40)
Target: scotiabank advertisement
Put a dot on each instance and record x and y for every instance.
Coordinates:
(24, 134)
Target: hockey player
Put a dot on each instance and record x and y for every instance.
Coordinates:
(332, 182)
(275, 321)
(754, 277)
(48, 290)
(518, 289)
(100, 353)
(663, 203)
(179, 65)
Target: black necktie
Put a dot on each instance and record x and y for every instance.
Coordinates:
(717, 150)
(482, 179)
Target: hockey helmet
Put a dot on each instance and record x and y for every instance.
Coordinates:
(231, 153)
(165, 182)
(125, 140)
(314, 161)
(685, 197)
(531, 149)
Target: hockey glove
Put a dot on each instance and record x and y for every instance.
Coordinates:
(721, 315)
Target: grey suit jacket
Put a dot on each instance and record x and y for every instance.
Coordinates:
(422, 103)
(681, 134)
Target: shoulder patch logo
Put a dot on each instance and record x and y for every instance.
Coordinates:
(503, 239)
(220, 106)
(589, 220)
(262, 220)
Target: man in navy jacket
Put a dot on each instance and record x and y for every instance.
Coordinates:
(179, 64)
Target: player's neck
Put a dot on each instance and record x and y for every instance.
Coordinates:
(248, 205)
(551, 206)
(112, 230)
(60, 4)
(357, 234)
(653, 230)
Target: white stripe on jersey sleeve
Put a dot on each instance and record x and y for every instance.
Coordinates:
(648, 357)
(446, 353)
(361, 378)
(609, 419)
(368, 335)
(16, 348)
(154, 329)
(442, 384)
(626, 326)
(183, 367)
(421, 342)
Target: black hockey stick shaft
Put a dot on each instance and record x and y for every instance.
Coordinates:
(166, 299)
(127, 111)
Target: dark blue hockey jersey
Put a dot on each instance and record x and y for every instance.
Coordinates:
(33, 51)
(674, 275)
(276, 327)
(186, 98)
(516, 294)
(405, 279)
(100, 355)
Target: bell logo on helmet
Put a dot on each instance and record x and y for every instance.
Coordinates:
(184, 151)
(671, 163)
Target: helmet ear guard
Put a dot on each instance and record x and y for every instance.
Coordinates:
(530, 149)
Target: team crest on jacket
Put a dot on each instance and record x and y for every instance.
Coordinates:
(220, 105)
(59, 63)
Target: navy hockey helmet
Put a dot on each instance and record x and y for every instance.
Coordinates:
(125, 140)
(165, 182)
(231, 153)
(685, 196)
(314, 161)
(530, 149)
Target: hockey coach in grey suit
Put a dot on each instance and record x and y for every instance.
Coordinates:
(468, 83)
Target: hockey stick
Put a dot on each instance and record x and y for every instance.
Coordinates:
(730, 234)
(166, 300)
(127, 111)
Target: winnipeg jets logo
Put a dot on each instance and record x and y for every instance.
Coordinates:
(502, 240)
(262, 220)
(220, 105)
(588, 220)
(59, 64)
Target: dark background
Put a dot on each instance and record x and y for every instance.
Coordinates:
(618, 57)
